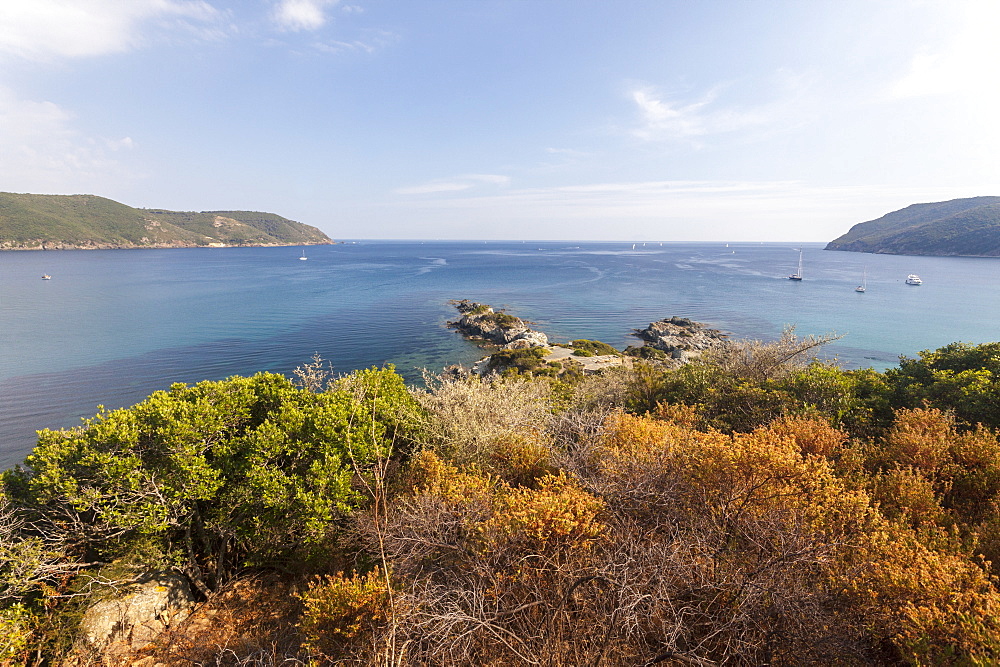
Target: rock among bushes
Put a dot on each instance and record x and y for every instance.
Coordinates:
(120, 626)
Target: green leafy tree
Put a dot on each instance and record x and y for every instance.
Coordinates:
(959, 377)
(219, 475)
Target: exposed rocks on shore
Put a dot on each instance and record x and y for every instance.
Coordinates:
(670, 341)
(680, 337)
(480, 321)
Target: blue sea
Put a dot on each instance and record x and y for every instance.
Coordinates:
(112, 326)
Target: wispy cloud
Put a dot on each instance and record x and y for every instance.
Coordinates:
(455, 184)
(47, 29)
(666, 119)
(369, 42)
(567, 152)
(663, 118)
(296, 15)
(665, 210)
(43, 151)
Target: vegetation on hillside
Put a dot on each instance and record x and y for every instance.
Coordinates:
(957, 227)
(56, 221)
(750, 507)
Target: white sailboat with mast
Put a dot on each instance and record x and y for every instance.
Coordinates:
(864, 281)
(798, 272)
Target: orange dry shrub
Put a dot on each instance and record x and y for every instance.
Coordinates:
(426, 530)
(935, 604)
(961, 469)
(685, 415)
(921, 438)
(483, 568)
(734, 536)
(909, 496)
(341, 614)
(812, 436)
(557, 514)
(751, 527)
(714, 473)
(430, 475)
(521, 459)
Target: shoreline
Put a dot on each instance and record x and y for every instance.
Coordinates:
(156, 246)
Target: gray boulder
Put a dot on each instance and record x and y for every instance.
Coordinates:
(119, 626)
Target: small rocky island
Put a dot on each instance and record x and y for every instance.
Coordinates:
(520, 349)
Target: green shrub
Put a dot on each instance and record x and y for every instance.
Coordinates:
(15, 635)
(523, 360)
(224, 475)
(589, 348)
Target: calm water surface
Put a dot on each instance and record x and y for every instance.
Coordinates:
(113, 326)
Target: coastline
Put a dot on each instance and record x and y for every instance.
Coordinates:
(141, 246)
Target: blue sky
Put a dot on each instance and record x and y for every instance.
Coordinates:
(536, 119)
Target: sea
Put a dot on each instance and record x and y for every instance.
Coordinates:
(112, 326)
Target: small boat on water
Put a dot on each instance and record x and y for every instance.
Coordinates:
(46, 277)
(864, 282)
(303, 257)
(798, 272)
(914, 279)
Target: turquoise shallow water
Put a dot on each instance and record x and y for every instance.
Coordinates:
(113, 326)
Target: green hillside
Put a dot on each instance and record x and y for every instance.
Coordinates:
(968, 227)
(30, 221)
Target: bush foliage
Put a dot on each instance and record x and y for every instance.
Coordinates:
(755, 508)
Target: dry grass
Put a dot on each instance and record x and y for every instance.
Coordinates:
(251, 621)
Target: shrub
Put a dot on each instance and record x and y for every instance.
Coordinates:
(245, 471)
(589, 348)
(341, 614)
(15, 635)
(524, 360)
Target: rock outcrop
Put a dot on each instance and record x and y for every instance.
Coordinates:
(669, 342)
(118, 627)
(680, 337)
(480, 321)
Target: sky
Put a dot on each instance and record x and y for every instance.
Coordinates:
(634, 120)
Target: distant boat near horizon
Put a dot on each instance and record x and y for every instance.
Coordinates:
(303, 257)
(798, 272)
(864, 281)
(46, 277)
(914, 279)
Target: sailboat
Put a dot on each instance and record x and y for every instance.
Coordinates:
(798, 273)
(864, 281)
(303, 257)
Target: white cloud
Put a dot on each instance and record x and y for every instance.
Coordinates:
(45, 29)
(967, 65)
(456, 184)
(295, 15)
(43, 152)
(663, 119)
